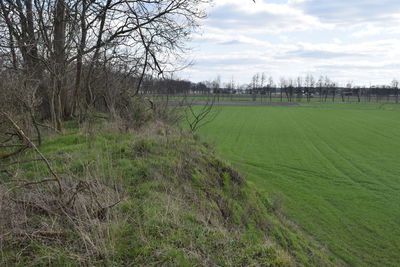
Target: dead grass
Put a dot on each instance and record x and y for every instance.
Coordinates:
(79, 220)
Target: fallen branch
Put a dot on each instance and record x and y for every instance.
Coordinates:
(32, 145)
(5, 156)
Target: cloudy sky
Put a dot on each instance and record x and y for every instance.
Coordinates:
(348, 40)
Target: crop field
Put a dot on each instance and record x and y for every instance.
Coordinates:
(334, 167)
(277, 99)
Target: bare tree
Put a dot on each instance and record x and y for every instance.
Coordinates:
(197, 116)
(255, 80)
(66, 42)
(263, 79)
(327, 85)
(216, 86)
(309, 84)
(282, 85)
(349, 89)
(395, 86)
(270, 87)
(231, 87)
(299, 90)
(333, 88)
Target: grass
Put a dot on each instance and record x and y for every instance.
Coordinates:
(180, 206)
(335, 166)
(276, 98)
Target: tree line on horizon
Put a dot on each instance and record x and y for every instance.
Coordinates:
(285, 89)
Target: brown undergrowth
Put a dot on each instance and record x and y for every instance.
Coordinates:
(37, 215)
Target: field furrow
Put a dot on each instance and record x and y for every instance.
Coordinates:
(335, 167)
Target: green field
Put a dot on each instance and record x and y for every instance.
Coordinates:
(336, 169)
(276, 98)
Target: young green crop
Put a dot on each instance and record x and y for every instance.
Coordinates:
(334, 166)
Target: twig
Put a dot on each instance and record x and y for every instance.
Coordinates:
(31, 144)
(48, 126)
(5, 156)
(6, 171)
(113, 205)
(6, 140)
(22, 161)
(35, 124)
(49, 234)
(11, 145)
(101, 213)
(39, 182)
(80, 187)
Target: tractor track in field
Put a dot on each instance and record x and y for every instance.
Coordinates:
(318, 150)
(351, 164)
(336, 169)
(334, 164)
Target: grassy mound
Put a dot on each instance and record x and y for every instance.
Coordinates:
(155, 197)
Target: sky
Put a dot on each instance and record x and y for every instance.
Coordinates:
(354, 41)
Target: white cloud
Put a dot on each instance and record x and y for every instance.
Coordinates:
(346, 39)
(262, 17)
(337, 41)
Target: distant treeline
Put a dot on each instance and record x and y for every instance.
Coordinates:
(324, 90)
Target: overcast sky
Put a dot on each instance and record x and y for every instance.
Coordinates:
(348, 40)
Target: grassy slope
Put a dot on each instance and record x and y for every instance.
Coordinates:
(335, 166)
(181, 206)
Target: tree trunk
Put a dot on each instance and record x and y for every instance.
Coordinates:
(82, 45)
(59, 62)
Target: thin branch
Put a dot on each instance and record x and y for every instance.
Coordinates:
(31, 144)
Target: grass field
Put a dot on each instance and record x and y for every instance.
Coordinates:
(277, 98)
(336, 169)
